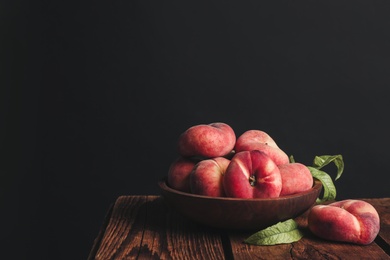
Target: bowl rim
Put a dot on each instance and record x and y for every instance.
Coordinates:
(317, 185)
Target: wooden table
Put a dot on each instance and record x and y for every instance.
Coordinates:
(143, 227)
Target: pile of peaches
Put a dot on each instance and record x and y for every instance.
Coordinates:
(214, 162)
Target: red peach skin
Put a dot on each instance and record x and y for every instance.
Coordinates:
(256, 136)
(206, 177)
(352, 221)
(207, 141)
(262, 141)
(296, 178)
(252, 174)
(275, 153)
(179, 174)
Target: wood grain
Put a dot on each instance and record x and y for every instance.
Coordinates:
(143, 227)
(311, 247)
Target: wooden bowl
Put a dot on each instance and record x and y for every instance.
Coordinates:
(239, 214)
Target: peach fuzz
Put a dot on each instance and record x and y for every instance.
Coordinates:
(352, 221)
(256, 136)
(275, 153)
(207, 141)
(179, 174)
(207, 176)
(252, 174)
(296, 178)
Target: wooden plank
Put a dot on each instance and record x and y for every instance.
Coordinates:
(242, 251)
(308, 247)
(99, 238)
(174, 237)
(311, 247)
(321, 249)
(124, 231)
(143, 227)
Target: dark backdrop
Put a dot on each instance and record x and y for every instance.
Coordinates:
(94, 95)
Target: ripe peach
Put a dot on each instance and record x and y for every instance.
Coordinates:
(252, 174)
(260, 140)
(207, 175)
(257, 136)
(207, 141)
(353, 221)
(296, 178)
(179, 174)
(275, 153)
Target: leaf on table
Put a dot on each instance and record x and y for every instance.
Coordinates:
(280, 233)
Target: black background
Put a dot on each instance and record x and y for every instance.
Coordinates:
(94, 95)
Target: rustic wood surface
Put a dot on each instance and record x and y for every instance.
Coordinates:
(143, 227)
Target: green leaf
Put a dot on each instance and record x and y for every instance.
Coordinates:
(318, 163)
(292, 160)
(280, 233)
(327, 184)
(321, 161)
